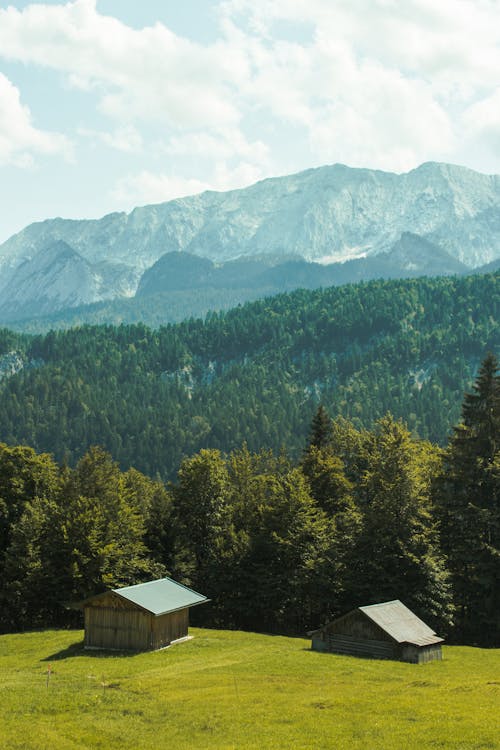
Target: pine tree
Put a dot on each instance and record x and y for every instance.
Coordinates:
(321, 429)
(468, 496)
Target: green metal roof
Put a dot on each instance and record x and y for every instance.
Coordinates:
(162, 596)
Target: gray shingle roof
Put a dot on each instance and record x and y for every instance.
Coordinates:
(401, 623)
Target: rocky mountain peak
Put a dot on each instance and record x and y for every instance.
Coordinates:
(330, 214)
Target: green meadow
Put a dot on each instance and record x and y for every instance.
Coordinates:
(240, 690)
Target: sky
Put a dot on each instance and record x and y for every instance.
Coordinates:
(110, 104)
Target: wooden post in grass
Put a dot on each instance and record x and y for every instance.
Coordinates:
(49, 672)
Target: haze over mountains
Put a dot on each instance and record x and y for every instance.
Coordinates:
(321, 227)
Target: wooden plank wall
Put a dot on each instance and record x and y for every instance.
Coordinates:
(358, 626)
(356, 646)
(421, 654)
(112, 628)
(168, 628)
(113, 623)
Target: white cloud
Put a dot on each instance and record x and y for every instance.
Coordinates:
(483, 122)
(126, 139)
(139, 74)
(452, 37)
(231, 177)
(375, 82)
(383, 120)
(378, 83)
(20, 141)
(149, 187)
(217, 146)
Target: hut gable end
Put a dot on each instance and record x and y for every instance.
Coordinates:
(356, 626)
(110, 600)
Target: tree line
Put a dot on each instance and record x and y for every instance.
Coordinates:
(279, 544)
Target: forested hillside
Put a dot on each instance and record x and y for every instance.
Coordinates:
(278, 545)
(254, 374)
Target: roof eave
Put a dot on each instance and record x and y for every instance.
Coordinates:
(179, 609)
(437, 640)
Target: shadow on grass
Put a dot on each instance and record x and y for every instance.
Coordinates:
(78, 649)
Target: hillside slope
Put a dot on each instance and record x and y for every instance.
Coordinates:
(254, 374)
(240, 690)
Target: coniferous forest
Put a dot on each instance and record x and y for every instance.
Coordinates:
(278, 545)
(293, 458)
(254, 374)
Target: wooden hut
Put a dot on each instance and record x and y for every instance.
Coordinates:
(384, 631)
(144, 617)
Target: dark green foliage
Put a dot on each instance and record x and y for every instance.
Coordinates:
(10, 340)
(254, 374)
(24, 475)
(329, 485)
(398, 554)
(203, 516)
(278, 542)
(468, 495)
(321, 429)
(71, 534)
(276, 547)
(104, 527)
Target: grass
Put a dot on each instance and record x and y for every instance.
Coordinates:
(241, 690)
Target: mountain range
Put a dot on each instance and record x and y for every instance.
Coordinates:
(324, 226)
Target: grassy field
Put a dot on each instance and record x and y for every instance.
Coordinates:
(240, 690)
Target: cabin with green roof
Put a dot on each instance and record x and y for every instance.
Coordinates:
(144, 617)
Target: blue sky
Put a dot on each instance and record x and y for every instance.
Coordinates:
(108, 104)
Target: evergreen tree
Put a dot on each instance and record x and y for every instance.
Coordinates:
(36, 577)
(104, 528)
(85, 537)
(280, 580)
(329, 485)
(321, 429)
(468, 496)
(203, 518)
(155, 505)
(398, 554)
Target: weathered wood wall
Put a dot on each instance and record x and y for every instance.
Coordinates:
(112, 623)
(356, 635)
(357, 626)
(169, 627)
(354, 646)
(421, 654)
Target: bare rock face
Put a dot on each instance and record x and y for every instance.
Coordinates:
(327, 215)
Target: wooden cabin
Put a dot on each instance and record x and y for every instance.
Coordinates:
(144, 617)
(383, 631)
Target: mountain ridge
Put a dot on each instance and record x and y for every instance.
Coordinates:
(329, 214)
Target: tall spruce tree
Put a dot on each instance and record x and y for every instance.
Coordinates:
(469, 502)
(321, 429)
